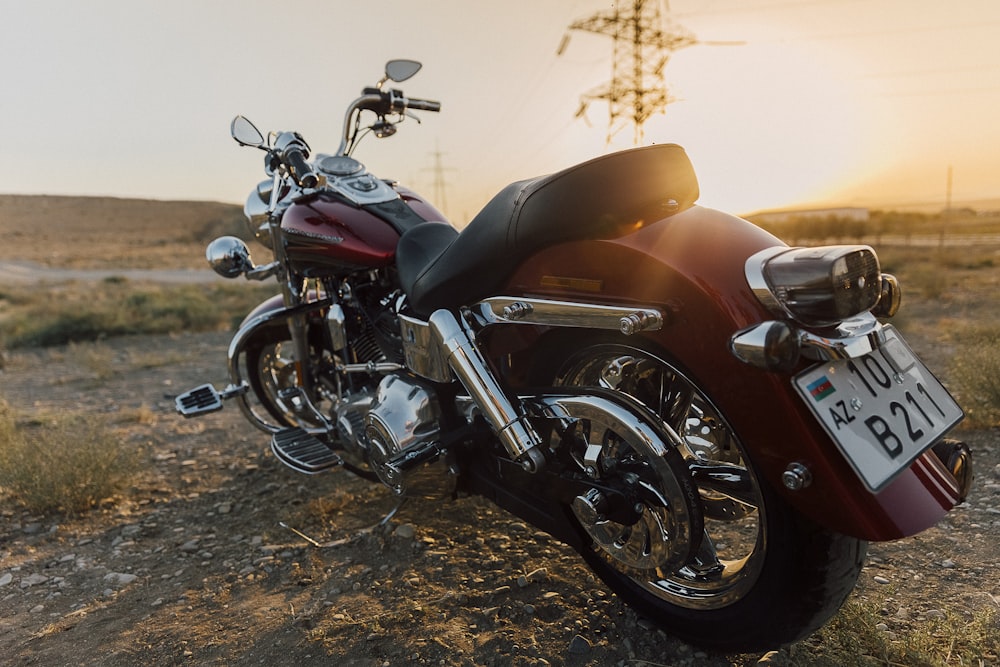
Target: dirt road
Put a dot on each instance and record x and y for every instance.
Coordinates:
(21, 272)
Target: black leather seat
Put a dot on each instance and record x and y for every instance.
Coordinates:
(600, 199)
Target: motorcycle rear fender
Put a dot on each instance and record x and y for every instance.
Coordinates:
(691, 267)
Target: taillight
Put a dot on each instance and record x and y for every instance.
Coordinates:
(820, 286)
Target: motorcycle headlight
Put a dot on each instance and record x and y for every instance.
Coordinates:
(817, 286)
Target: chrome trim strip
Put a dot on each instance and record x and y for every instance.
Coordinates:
(754, 272)
(313, 235)
(854, 338)
(520, 310)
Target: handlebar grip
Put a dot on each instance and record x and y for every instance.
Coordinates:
(301, 171)
(423, 105)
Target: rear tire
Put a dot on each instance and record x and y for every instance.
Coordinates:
(764, 575)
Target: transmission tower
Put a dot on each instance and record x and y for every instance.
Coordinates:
(642, 46)
(439, 180)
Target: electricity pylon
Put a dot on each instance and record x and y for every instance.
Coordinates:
(642, 46)
(439, 180)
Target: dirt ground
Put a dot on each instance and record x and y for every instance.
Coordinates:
(197, 566)
(209, 558)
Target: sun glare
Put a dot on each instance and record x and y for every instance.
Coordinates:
(767, 125)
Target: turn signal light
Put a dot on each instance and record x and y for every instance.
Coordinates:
(889, 298)
(772, 346)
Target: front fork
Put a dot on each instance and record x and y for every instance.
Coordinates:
(300, 349)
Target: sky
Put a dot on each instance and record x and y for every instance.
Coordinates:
(818, 102)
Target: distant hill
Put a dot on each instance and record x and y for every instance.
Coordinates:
(927, 207)
(979, 205)
(98, 232)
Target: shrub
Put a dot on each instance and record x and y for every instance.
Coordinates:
(67, 463)
(81, 313)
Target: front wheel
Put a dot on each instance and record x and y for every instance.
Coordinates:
(273, 374)
(759, 574)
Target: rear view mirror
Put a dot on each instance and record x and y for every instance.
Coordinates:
(246, 133)
(401, 70)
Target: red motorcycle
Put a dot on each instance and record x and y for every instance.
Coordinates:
(716, 422)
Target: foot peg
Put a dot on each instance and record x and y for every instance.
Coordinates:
(303, 452)
(204, 399)
(199, 401)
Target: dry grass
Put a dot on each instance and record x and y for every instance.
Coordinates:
(860, 635)
(65, 463)
(976, 373)
(951, 314)
(81, 312)
(72, 463)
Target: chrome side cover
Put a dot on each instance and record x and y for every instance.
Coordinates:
(506, 310)
(426, 358)
(445, 347)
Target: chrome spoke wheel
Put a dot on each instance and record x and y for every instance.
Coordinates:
(730, 554)
(662, 534)
(276, 369)
(274, 377)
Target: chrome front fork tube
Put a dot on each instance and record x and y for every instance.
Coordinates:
(515, 432)
(292, 290)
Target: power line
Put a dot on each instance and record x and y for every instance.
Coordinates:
(862, 34)
(766, 7)
(925, 72)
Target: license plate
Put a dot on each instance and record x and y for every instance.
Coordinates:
(883, 409)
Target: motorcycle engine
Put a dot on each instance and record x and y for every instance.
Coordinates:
(403, 434)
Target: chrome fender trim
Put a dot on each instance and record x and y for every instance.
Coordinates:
(776, 345)
(238, 345)
(853, 338)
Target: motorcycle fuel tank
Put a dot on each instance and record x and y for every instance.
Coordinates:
(325, 235)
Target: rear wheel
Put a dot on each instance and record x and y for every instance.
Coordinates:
(756, 574)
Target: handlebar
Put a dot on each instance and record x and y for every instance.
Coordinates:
(300, 169)
(381, 103)
(292, 150)
(423, 105)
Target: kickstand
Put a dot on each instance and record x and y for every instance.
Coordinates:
(344, 540)
(388, 517)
